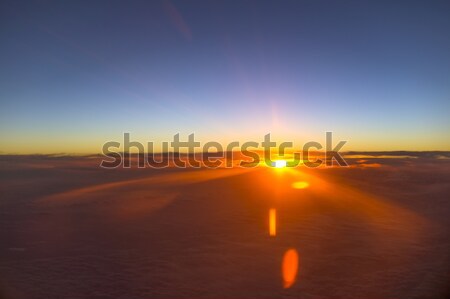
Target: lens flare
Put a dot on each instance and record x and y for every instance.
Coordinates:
(289, 267)
(300, 185)
(272, 222)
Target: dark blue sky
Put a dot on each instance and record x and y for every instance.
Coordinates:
(75, 74)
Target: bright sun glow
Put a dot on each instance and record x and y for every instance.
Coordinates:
(280, 163)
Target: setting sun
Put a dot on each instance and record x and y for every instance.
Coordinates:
(280, 163)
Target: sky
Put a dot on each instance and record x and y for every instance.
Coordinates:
(76, 74)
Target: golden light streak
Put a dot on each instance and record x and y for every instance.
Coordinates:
(289, 267)
(272, 222)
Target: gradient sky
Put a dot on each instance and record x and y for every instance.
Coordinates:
(75, 74)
